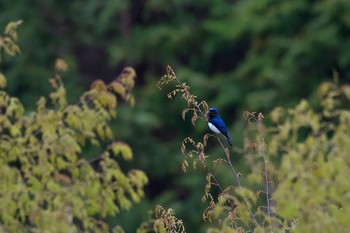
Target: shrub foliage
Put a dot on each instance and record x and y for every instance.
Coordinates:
(46, 182)
(297, 168)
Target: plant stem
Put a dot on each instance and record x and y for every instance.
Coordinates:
(227, 155)
(239, 183)
(263, 150)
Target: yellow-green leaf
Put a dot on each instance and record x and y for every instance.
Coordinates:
(123, 149)
(3, 81)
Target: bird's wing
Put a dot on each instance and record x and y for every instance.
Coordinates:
(220, 125)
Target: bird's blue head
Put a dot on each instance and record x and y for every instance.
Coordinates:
(213, 112)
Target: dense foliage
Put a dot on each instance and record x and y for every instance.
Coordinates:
(313, 174)
(46, 183)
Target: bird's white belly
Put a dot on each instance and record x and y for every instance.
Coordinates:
(213, 128)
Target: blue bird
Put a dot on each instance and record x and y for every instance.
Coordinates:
(216, 124)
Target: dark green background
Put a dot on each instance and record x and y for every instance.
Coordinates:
(237, 55)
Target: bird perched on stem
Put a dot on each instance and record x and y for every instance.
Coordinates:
(216, 124)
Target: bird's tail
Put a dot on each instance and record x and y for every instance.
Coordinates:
(229, 141)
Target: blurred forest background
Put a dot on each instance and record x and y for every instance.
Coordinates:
(237, 55)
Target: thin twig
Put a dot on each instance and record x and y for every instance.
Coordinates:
(227, 155)
(266, 182)
(238, 182)
(218, 184)
(212, 174)
(263, 152)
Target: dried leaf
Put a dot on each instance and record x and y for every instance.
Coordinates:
(61, 65)
(183, 148)
(184, 168)
(184, 113)
(193, 120)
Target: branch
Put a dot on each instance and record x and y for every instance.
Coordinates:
(238, 182)
(191, 99)
(258, 121)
